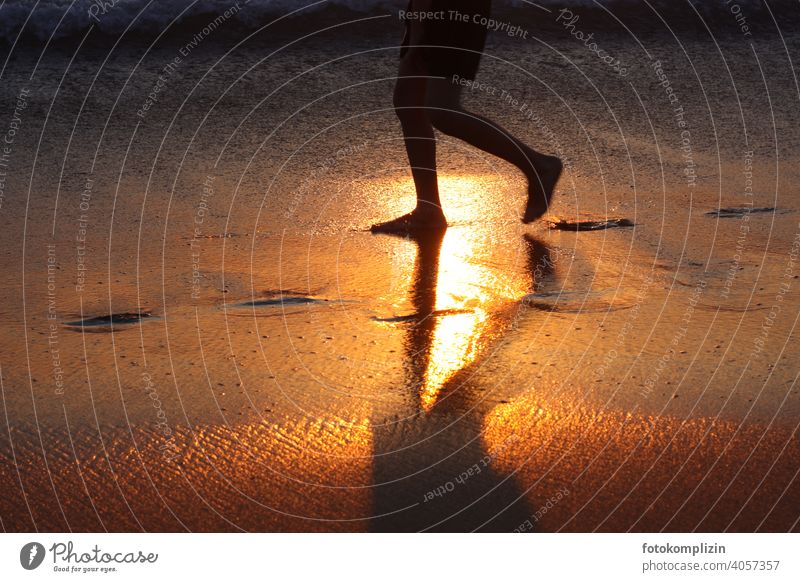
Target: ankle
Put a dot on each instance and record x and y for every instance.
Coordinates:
(428, 210)
(541, 163)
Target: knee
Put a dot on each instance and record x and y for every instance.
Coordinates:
(407, 105)
(444, 118)
(399, 101)
(443, 103)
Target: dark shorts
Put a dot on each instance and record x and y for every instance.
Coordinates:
(452, 46)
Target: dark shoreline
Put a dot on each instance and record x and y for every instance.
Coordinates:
(708, 21)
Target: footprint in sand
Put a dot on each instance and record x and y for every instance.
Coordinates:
(109, 323)
(742, 211)
(282, 299)
(277, 302)
(578, 301)
(418, 317)
(588, 225)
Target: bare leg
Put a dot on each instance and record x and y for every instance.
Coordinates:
(409, 103)
(443, 100)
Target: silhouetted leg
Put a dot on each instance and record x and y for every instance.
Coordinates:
(409, 103)
(443, 99)
(540, 262)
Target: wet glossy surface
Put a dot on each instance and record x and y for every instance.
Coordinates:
(452, 383)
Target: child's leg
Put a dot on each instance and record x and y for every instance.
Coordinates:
(443, 100)
(409, 103)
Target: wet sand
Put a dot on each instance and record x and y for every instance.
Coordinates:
(252, 358)
(495, 377)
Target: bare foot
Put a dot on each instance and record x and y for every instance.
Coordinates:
(414, 221)
(541, 186)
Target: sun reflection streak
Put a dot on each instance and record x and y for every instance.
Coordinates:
(468, 293)
(461, 308)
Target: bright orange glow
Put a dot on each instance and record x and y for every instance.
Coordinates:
(468, 292)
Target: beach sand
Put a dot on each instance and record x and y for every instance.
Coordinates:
(294, 372)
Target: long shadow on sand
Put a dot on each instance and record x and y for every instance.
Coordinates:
(432, 470)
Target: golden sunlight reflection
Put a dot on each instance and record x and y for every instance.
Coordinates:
(468, 291)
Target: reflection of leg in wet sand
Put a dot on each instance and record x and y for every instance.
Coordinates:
(431, 468)
(437, 57)
(540, 262)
